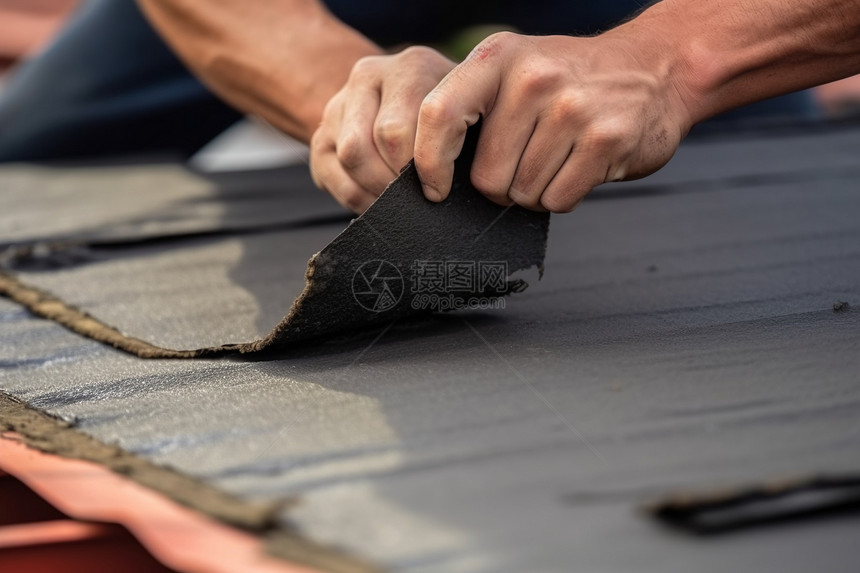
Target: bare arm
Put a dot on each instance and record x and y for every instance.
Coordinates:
(732, 52)
(279, 59)
(563, 115)
(25, 25)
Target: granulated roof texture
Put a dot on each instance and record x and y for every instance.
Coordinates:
(683, 338)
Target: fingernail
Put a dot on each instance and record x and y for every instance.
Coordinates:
(432, 194)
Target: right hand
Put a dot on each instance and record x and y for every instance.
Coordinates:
(561, 115)
(367, 133)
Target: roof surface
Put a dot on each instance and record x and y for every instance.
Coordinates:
(683, 337)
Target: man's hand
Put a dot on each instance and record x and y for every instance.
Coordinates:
(561, 116)
(367, 132)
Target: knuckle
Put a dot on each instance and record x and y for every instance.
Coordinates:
(317, 143)
(538, 79)
(435, 110)
(350, 151)
(528, 200)
(609, 134)
(354, 200)
(422, 64)
(413, 53)
(566, 108)
(493, 45)
(487, 184)
(525, 181)
(351, 196)
(364, 67)
(500, 39)
(557, 203)
(390, 135)
(320, 154)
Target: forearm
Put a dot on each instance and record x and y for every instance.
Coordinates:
(279, 59)
(26, 25)
(723, 54)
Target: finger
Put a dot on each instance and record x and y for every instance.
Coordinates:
(328, 174)
(344, 189)
(319, 145)
(355, 147)
(583, 170)
(465, 94)
(547, 150)
(396, 123)
(323, 139)
(501, 144)
(402, 94)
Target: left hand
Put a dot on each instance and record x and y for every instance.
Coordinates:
(561, 116)
(367, 131)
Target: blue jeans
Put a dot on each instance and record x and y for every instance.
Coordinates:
(108, 86)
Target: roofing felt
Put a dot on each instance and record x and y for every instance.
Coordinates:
(683, 337)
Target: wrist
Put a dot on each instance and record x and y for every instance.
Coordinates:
(327, 66)
(665, 56)
(724, 54)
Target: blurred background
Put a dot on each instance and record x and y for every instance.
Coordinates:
(29, 29)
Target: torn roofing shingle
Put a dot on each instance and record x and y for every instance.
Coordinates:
(344, 290)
